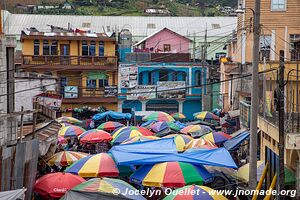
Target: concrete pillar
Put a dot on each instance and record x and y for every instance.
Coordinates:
(180, 106)
(144, 105)
(120, 105)
(190, 80)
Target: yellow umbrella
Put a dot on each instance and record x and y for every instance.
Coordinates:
(180, 140)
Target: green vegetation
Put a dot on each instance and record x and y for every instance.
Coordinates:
(137, 7)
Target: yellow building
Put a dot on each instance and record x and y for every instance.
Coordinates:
(85, 63)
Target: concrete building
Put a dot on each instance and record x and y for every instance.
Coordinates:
(159, 76)
(85, 63)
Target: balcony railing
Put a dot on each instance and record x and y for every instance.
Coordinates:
(106, 92)
(69, 60)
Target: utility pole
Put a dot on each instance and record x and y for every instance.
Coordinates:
(254, 98)
(280, 107)
(297, 97)
(194, 48)
(264, 89)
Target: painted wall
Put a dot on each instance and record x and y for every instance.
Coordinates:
(178, 44)
(190, 107)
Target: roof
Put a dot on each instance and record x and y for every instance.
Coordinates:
(66, 35)
(156, 32)
(141, 26)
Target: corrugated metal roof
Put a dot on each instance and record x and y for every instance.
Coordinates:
(138, 25)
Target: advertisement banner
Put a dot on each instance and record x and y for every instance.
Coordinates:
(48, 100)
(128, 75)
(142, 92)
(70, 92)
(171, 89)
(110, 91)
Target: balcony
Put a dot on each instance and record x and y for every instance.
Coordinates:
(53, 62)
(108, 94)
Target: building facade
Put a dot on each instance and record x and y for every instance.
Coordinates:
(159, 76)
(85, 64)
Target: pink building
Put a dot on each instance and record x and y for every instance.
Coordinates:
(165, 41)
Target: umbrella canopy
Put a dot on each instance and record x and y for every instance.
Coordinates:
(109, 186)
(122, 134)
(139, 138)
(71, 131)
(191, 192)
(61, 140)
(159, 126)
(55, 185)
(178, 116)
(217, 137)
(110, 126)
(173, 126)
(180, 140)
(200, 143)
(65, 158)
(95, 136)
(148, 124)
(98, 165)
(205, 115)
(70, 120)
(196, 130)
(243, 173)
(159, 116)
(170, 174)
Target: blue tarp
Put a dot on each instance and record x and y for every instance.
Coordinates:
(235, 142)
(180, 125)
(111, 115)
(162, 146)
(216, 157)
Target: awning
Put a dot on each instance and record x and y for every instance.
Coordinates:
(112, 115)
(235, 142)
(97, 75)
(13, 194)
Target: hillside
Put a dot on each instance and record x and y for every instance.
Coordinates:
(131, 7)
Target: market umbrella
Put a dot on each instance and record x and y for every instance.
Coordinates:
(98, 165)
(196, 130)
(148, 124)
(61, 140)
(55, 185)
(139, 138)
(110, 126)
(170, 174)
(205, 115)
(201, 144)
(65, 158)
(243, 173)
(70, 120)
(178, 116)
(122, 134)
(217, 137)
(95, 136)
(159, 126)
(105, 186)
(71, 131)
(159, 116)
(173, 126)
(180, 140)
(191, 192)
(63, 124)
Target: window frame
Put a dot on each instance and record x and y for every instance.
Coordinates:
(89, 83)
(84, 48)
(102, 48)
(36, 47)
(46, 46)
(167, 46)
(273, 9)
(104, 82)
(53, 47)
(92, 48)
(198, 78)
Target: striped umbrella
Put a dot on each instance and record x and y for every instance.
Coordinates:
(191, 192)
(159, 126)
(200, 143)
(217, 137)
(140, 138)
(95, 136)
(173, 126)
(159, 116)
(70, 120)
(122, 134)
(65, 158)
(178, 116)
(109, 186)
(170, 174)
(61, 140)
(196, 130)
(71, 131)
(98, 165)
(110, 126)
(148, 124)
(180, 140)
(205, 115)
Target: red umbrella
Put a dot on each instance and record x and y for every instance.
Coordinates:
(95, 136)
(55, 185)
(144, 131)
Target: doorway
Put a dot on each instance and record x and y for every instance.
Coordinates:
(65, 54)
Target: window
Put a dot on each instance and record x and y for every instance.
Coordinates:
(167, 47)
(92, 48)
(91, 84)
(278, 5)
(151, 26)
(265, 47)
(86, 24)
(174, 76)
(85, 48)
(103, 82)
(163, 75)
(54, 47)
(198, 78)
(46, 47)
(215, 26)
(295, 47)
(141, 79)
(101, 48)
(36, 45)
